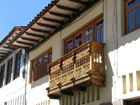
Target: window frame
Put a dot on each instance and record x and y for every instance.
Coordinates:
(126, 18)
(2, 75)
(17, 65)
(39, 71)
(65, 44)
(96, 22)
(83, 31)
(9, 71)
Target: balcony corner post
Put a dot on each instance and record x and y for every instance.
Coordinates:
(74, 57)
(61, 65)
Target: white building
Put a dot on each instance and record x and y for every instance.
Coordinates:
(83, 52)
(12, 66)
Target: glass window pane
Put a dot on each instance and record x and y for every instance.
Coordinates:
(51, 54)
(98, 25)
(102, 35)
(133, 3)
(131, 20)
(76, 45)
(40, 60)
(98, 36)
(86, 39)
(90, 37)
(88, 31)
(70, 49)
(45, 57)
(69, 43)
(138, 16)
(78, 37)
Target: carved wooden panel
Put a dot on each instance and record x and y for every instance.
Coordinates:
(77, 65)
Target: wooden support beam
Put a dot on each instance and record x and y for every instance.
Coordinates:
(79, 2)
(52, 20)
(25, 43)
(66, 8)
(2, 56)
(79, 88)
(29, 39)
(18, 46)
(54, 96)
(39, 30)
(46, 25)
(4, 53)
(7, 47)
(34, 35)
(59, 14)
(67, 92)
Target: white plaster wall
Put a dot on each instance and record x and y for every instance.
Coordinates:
(126, 56)
(15, 89)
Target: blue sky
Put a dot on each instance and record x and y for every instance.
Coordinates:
(18, 13)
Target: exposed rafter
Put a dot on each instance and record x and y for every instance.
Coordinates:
(46, 25)
(2, 56)
(52, 20)
(59, 14)
(7, 47)
(4, 53)
(29, 39)
(34, 35)
(66, 8)
(25, 43)
(39, 30)
(79, 2)
(18, 46)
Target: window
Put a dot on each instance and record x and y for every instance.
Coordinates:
(88, 34)
(9, 71)
(2, 75)
(68, 45)
(17, 65)
(132, 15)
(99, 31)
(39, 65)
(94, 31)
(78, 40)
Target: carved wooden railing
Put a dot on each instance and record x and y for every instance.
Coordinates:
(85, 61)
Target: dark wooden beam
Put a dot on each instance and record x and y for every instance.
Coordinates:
(4, 53)
(34, 35)
(39, 30)
(8, 47)
(67, 92)
(79, 2)
(29, 39)
(52, 20)
(79, 88)
(66, 8)
(54, 96)
(59, 14)
(46, 25)
(25, 43)
(2, 56)
(18, 46)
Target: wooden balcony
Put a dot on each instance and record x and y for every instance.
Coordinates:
(76, 70)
